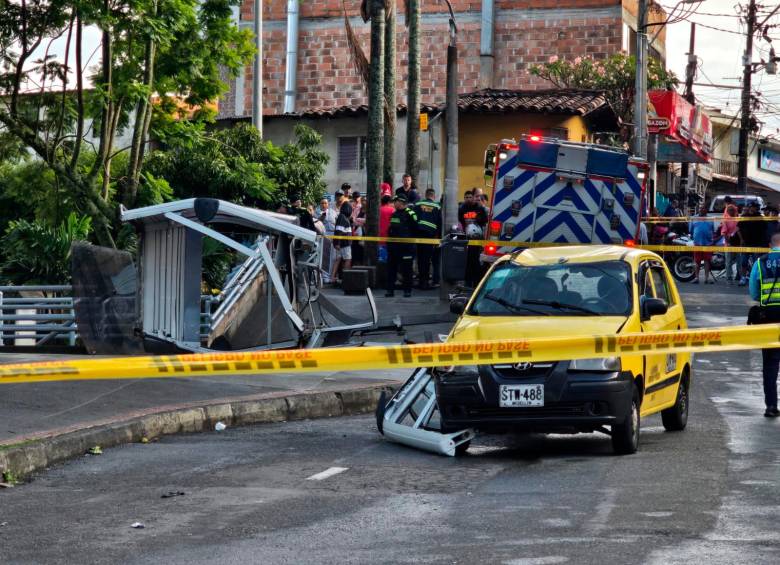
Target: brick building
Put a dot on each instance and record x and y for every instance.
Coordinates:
(523, 33)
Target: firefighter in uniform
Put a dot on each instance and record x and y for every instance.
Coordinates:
(403, 223)
(765, 288)
(429, 226)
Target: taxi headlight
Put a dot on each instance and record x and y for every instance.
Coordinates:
(600, 365)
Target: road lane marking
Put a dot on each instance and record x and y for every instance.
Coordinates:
(327, 473)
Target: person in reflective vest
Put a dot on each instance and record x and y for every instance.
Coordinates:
(765, 288)
(403, 223)
(429, 226)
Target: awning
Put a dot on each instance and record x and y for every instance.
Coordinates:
(753, 182)
(774, 186)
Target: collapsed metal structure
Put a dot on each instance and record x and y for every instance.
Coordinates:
(270, 300)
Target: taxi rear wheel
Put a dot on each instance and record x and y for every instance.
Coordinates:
(625, 436)
(676, 418)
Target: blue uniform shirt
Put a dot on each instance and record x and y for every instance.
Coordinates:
(755, 285)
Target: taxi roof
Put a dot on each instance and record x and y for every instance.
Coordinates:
(578, 254)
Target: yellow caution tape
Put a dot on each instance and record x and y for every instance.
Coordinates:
(686, 219)
(398, 356)
(533, 244)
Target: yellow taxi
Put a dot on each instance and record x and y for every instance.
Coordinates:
(560, 291)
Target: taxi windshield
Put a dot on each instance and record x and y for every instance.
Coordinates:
(563, 289)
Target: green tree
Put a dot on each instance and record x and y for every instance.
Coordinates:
(390, 115)
(35, 253)
(172, 47)
(376, 109)
(236, 164)
(613, 75)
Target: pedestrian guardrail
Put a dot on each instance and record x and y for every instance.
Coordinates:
(40, 315)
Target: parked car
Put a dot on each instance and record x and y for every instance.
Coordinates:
(577, 290)
(718, 204)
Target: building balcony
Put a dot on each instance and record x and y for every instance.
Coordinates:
(727, 167)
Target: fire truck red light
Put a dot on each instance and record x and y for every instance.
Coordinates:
(535, 138)
(490, 250)
(630, 243)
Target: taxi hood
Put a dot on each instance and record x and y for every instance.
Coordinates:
(496, 328)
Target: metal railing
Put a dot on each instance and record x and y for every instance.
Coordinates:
(36, 315)
(43, 314)
(724, 167)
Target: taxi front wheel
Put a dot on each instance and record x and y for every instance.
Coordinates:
(676, 418)
(625, 436)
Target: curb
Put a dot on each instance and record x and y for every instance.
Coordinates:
(37, 454)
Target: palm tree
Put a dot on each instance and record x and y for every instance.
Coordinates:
(413, 91)
(390, 48)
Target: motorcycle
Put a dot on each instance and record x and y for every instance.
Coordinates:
(681, 263)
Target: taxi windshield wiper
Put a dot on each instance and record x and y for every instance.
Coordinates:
(513, 307)
(562, 306)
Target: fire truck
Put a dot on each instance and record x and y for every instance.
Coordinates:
(554, 191)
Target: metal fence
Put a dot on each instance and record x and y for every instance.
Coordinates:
(43, 315)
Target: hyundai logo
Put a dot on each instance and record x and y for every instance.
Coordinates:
(524, 366)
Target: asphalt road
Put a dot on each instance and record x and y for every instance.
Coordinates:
(333, 491)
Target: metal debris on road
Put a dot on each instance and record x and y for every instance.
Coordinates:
(220, 427)
(96, 450)
(137, 525)
(172, 493)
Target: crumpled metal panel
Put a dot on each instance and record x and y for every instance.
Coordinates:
(104, 299)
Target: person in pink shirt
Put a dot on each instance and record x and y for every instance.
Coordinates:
(730, 232)
(385, 212)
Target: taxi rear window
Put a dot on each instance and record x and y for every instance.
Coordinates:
(563, 289)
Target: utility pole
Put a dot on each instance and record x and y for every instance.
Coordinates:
(450, 196)
(747, 74)
(257, 82)
(451, 111)
(690, 76)
(640, 89)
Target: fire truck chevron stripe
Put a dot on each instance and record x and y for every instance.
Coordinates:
(518, 183)
(522, 190)
(594, 192)
(562, 227)
(511, 163)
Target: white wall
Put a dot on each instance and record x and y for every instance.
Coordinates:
(280, 130)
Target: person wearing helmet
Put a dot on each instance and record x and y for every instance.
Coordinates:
(473, 217)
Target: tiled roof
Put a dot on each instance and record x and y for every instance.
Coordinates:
(558, 101)
(487, 101)
(350, 111)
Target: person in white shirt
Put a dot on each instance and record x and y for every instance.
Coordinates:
(327, 216)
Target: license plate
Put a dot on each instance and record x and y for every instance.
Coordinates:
(513, 396)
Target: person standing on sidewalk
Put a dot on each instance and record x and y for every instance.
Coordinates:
(730, 232)
(428, 213)
(386, 211)
(765, 288)
(703, 232)
(407, 190)
(403, 224)
(753, 234)
(343, 247)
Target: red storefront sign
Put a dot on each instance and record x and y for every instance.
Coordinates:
(684, 130)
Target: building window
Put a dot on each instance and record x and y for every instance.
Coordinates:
(352, 153)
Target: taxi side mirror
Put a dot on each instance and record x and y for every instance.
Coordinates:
(653, 307)
(458, 305)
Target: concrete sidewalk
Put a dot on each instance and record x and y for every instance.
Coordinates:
(43, 423)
